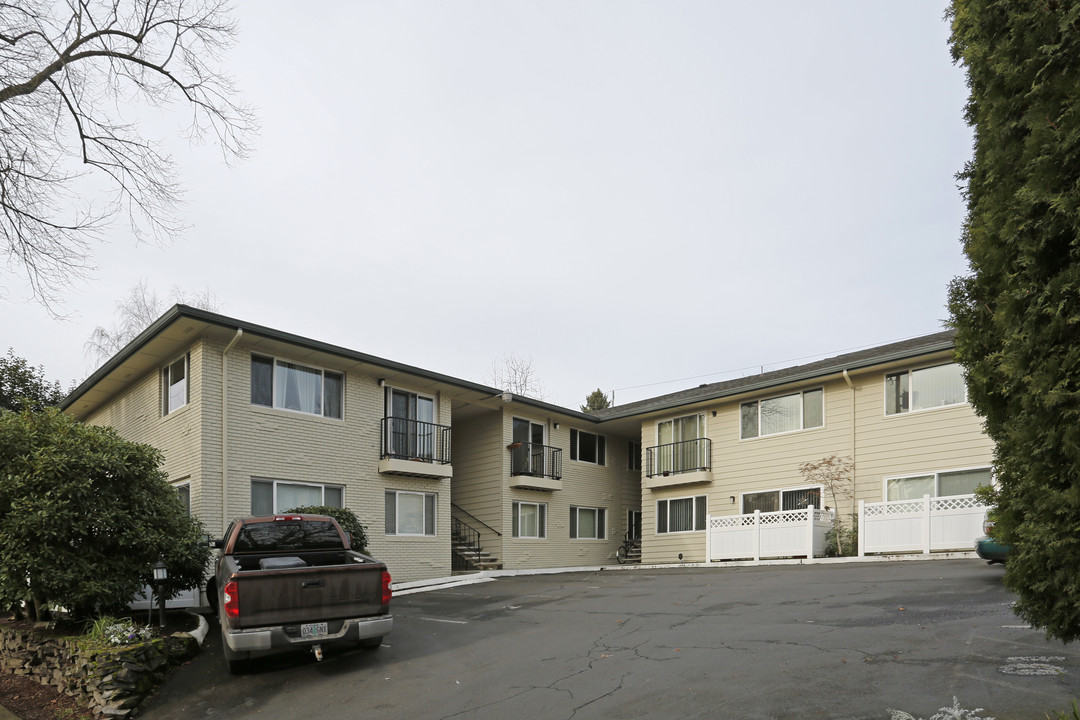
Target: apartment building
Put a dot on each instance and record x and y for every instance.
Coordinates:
(449, 474)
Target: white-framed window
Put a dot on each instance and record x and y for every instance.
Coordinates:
(588, 447)
(588, 523)
(410, 513)
(183, 493)
(529, 519)
(174, 385)
(680, 445)
(936, 484)
(633, 456)
(678, 515)
(925, 389)
(273, 496)
(284, 385)
(795, 498)
(783, 414)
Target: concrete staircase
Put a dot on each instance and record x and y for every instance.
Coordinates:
(473, 557)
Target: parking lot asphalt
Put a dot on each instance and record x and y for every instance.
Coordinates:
(823, 641)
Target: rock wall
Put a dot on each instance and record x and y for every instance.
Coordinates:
(112, 681)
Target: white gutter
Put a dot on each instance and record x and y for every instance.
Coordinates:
(225, 425)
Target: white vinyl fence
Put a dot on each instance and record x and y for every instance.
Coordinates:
(787, 533)
(924, 525)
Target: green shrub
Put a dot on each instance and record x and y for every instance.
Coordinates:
(346, 519)
(849, 537)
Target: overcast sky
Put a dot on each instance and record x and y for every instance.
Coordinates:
(639, 196)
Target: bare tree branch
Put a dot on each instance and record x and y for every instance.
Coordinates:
(134, 312)
(65, 70)
(516, 374)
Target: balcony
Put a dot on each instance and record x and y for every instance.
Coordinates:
(416, 448)
(535, 466)
(679, 463)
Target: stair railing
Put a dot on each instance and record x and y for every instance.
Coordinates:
(468, 535)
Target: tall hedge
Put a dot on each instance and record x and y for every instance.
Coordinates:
(1017, 313)
(84, 515)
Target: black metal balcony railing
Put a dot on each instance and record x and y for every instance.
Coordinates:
(679, 457)
(415, 440)
(536, 460)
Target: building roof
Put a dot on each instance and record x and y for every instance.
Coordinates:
(173, 331)
(892, 352)
(167, 336)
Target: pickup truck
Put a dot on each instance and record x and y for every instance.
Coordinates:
(291, 582)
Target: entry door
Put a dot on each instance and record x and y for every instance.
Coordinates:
(412, 434)
(633, 523)
(529, 458)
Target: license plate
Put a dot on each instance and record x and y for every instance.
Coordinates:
(313, 630)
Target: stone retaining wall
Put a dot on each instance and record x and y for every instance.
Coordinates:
(110, 681)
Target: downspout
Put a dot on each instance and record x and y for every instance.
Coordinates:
(847, 379)
(225, 426)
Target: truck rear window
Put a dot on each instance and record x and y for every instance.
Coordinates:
(288, 535)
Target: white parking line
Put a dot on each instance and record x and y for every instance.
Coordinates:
(453, 622)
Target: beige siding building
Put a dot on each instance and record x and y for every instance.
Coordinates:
(448, 474)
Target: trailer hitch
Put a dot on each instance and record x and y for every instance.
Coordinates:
(317, 649)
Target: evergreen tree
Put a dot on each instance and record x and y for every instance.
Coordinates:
(596, 400)
(1017, 313)
(21, 383)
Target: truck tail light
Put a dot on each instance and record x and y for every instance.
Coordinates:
(385, 588)
(232, 600)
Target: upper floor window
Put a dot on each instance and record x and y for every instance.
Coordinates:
(587, 447)
(633, 456)
(787, 413)
(931, 387)
(174, 385)
(290, 386)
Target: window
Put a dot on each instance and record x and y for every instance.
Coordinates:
(940, 484)
(410, 513)
(932, 387)
(587, 447)
(174, 385)
(183, 492)
(587, 523)
(681, 514)
(633, 456)
(676, 449)
(530, 520)
(774, 500)
(411, 428)
(274, 496)
(527, 456)
(798, 411)
(289, 386)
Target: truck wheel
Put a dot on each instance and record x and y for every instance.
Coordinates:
(211, 594)
(237, 662)
(372, 642)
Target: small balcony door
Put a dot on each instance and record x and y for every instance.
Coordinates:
(529, 458)
(673, 455)
(412, 425)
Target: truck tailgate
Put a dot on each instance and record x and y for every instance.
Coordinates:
(282, 597)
